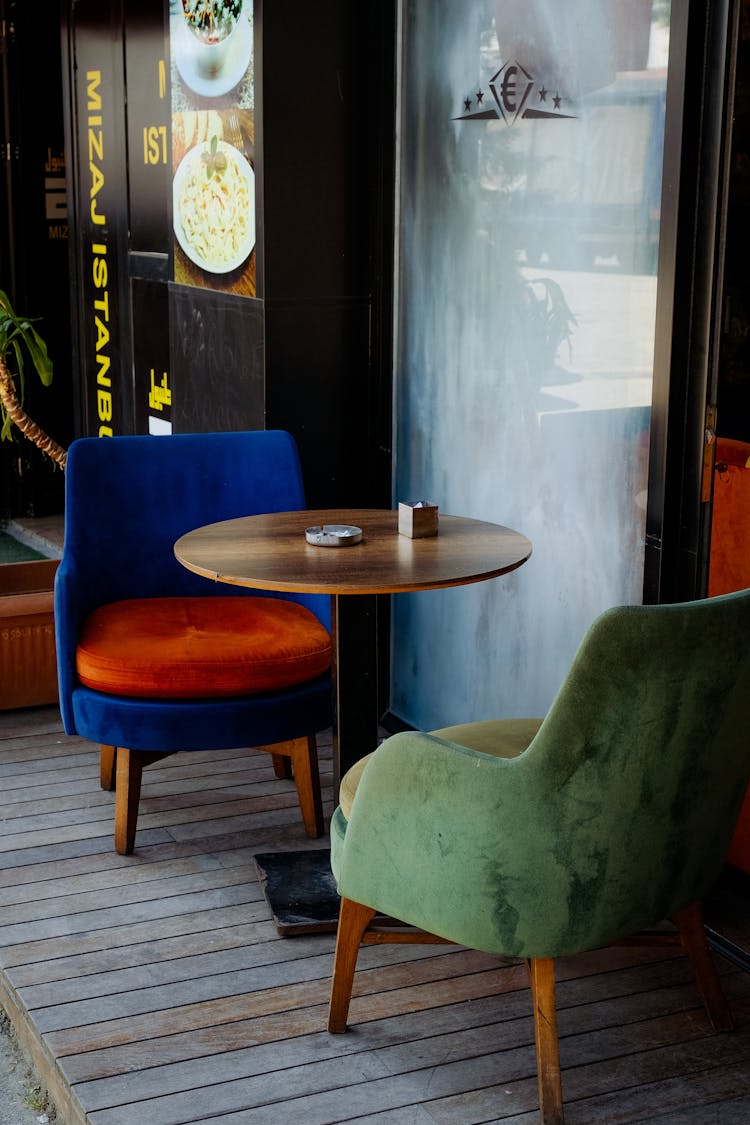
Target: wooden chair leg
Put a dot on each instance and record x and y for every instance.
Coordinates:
(282, 767)
(301, 762)
(107, 767)
(689, 922)
(353, 921)
(542, 977)
(127, 795)
(304, 759)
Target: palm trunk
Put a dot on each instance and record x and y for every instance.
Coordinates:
(21, 419)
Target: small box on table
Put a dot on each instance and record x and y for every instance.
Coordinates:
(417, 519)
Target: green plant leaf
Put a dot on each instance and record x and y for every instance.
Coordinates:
(16, 346)
(38, 352)
(19, 341)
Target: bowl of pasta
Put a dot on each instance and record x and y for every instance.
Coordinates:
(214, 206)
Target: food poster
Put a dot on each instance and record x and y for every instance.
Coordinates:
(213, 133)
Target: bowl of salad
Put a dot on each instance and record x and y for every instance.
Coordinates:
(212, 25)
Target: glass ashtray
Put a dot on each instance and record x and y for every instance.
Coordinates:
(333, 535)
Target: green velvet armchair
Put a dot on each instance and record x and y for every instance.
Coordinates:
(538, 839)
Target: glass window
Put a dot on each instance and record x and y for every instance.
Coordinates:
(529, 206)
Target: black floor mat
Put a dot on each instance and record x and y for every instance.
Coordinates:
(300, 890)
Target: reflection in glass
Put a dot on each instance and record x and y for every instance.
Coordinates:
(530, 183)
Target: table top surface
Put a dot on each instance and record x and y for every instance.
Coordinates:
(270, 552)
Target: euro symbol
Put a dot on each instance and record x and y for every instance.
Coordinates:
(508, 89)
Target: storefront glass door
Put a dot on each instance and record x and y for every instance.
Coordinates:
(529, 188)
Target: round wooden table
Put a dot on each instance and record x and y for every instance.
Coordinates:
(270, 552)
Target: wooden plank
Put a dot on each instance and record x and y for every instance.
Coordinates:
(66, 887)
(252, 1045)
(178, 888)
(59, 766)
(26, 852)
(42, 868)
(315, 1093)
(154, 967)
(264, 1001)
(182, 824)
(25, 766)
(67, 1105)
(263, 979)
(211, 917)
(396, 1042)
(103, 965)
(155, 987)
(27, 723)
(96, 811)
(131, 914)
(32, 787)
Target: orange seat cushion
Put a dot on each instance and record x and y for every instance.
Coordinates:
(183, 648)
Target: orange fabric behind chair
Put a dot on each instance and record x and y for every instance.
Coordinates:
(193, 647)
(730, 525)
(729, 569)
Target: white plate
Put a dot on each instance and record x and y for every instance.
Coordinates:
(333, 535)
(191, 163)
(237, 62)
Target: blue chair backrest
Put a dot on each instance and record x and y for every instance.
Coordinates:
(129, 498)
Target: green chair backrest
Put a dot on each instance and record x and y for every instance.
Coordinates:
(645, 759)
(618, 813)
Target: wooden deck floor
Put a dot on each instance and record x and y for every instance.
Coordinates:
(155, 990)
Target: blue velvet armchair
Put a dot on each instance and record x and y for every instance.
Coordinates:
(539, 839)
(153, 659)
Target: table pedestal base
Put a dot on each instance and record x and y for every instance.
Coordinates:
(300, 890)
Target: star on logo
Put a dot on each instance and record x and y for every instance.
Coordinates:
(556, 101)
(480, 96)
(467, 104)
(542, 95)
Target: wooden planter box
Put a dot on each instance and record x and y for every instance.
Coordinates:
(28, 667)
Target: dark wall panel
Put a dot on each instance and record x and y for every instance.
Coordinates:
(317, 66)
(216, 343)
(34, 241)
(317, 388)
(148, 127)
(327, 149)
